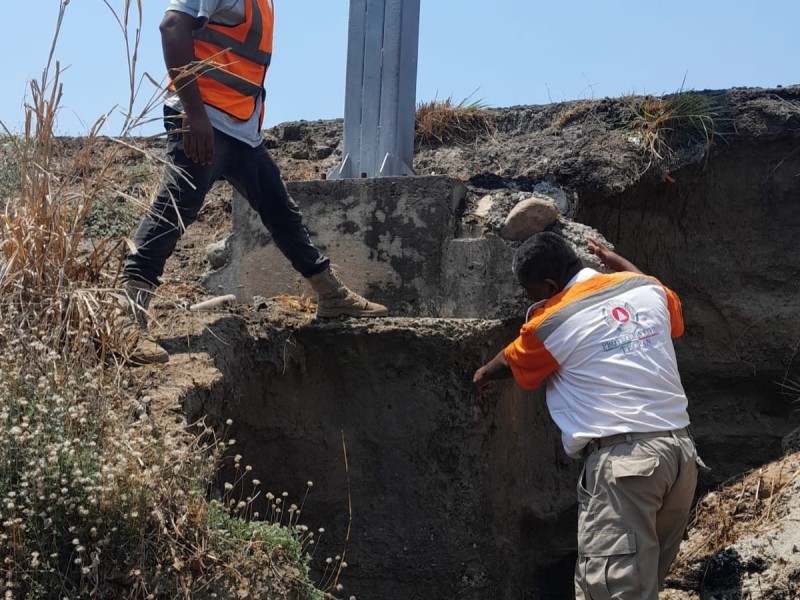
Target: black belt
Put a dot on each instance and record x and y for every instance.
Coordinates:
(619, 438)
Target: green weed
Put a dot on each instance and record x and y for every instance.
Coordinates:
(112, 219)
(668, 123)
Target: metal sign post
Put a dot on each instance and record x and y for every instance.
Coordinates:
(381, 91)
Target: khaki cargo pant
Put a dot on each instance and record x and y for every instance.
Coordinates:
(634, 501)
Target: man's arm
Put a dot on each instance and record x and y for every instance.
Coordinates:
(497, 368)
(178, 47)
(611, 259)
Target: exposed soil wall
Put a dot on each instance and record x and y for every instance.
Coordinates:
(453, 495)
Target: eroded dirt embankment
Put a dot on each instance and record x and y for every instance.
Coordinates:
(455, 496)
(717, 223)
(725, 235)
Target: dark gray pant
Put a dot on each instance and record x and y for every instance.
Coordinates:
(251, 171)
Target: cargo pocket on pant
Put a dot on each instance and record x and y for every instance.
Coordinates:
(607, 564)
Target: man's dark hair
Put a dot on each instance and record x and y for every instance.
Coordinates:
(543, 256)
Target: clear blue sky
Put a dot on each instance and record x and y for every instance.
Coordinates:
(504, 52)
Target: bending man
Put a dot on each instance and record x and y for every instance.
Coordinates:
(602, 342)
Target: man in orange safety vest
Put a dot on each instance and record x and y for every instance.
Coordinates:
(217, 53)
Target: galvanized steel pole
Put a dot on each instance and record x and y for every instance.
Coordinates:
(381, 90)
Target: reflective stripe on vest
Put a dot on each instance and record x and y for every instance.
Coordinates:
(235, 60)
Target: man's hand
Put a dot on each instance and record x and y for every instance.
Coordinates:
(481, 382)
(177, 42)
(198, 138)
(611, 259)
(497, 368)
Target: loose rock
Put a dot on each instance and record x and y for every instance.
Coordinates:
(528, 218)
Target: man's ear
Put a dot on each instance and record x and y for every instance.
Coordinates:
(553, 285)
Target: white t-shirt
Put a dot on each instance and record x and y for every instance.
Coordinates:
(224, 12)
(604, 346)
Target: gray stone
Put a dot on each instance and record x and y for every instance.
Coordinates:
(498, 206)
(484, 206)
(260, 303)
(528, 218)
(558, 195)
(218, 253)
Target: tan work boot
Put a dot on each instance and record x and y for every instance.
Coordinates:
(336, 300)
(144, 349)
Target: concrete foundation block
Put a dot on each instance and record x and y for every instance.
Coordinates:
(385, 237)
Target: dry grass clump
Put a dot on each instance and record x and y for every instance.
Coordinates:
(572, 113)
(102, 494)
(666, 124)
(51, 279)
(443, 121)
(738, 509)
(306, 305)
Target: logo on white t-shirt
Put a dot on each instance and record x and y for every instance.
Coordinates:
(621, 317)
(629, 334)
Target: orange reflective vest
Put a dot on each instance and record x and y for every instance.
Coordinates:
(235, 60)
